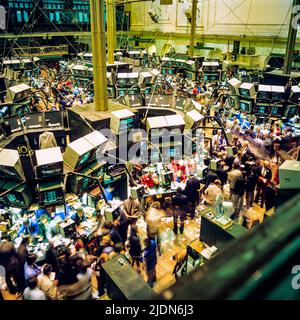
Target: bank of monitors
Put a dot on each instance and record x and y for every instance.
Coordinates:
(193, 119)
(295, 94)
(209, 66)
(291, 111)
(175, 121)
(278, 93)
(234, 85)
(78, 154)
(122, 121)
(246, 106)
(272, 93)
(49, 163)
(264, 92)
(21, 196)
(97, 140)
(247, 90)
(53, 119)
(83, 151)
(18, 92)
(145, 78)
(154, 155)
(10, 165)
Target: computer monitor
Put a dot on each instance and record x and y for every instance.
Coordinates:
(53, 119)
(18, 92)
(49, 163)
(246, 106)
(14, 123)
(20, 109)
(277, 110)
(122, 121)
(111, 92)
(50, 193)
(21, 197)
(291, 111)
(122, 82)
(34, 120)
(234, 101)
(78, 154)
(211, 77)
(263, 109)
(11, 165)
(166, 179)
(246, 78)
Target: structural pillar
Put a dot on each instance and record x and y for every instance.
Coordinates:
(99, 54)
(193, 27)
(291, 41)
(111, 29)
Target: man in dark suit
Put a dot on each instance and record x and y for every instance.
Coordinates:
(222, 174)
(179, 203)
(191, 191)
(264, 177)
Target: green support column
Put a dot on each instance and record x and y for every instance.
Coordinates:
(99, 54)
(193, 27)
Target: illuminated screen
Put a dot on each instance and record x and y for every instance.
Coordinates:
(126, 124)
(20, 111)
(122, 81)
(148, 91)
(122, 93)
(188, 75)
(262, 109)
(49, 170)
(16, 199)
(164, 71)
(276, 111)
(245, 107)
(263, 95)
(52, 196)
(244, 92)
(276, 95)
(211, 77)
(84, 159)
(9, 172)
(170, 71)
(132, 81)
(291, 111)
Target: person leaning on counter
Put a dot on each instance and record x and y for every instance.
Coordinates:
(29, 226)
(79, 216)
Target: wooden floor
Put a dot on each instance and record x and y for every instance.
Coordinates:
(170, 245)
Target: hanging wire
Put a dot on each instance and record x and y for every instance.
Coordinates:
(155, 85)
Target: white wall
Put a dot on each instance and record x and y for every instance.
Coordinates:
(236, 17)
(250, 18)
